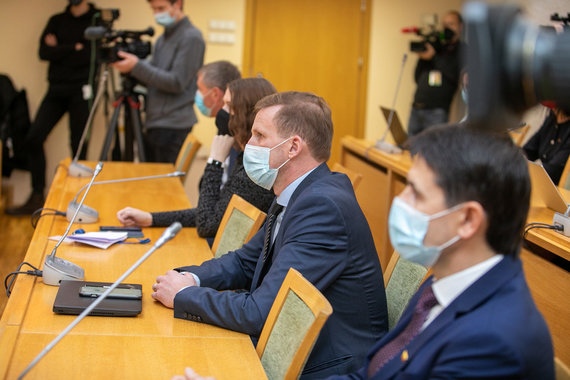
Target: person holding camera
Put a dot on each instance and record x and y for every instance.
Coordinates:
(437, 77)
(63, 45)
(170, 78)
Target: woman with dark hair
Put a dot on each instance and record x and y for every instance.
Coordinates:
(240, 99)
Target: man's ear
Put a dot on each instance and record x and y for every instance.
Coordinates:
(473, 219)
(297, 145)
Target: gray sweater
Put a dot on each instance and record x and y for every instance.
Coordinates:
(170, 77)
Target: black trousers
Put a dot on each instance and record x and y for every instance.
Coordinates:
(163, 144)
(58, 100)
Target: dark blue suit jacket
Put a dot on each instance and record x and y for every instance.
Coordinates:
(324, 236)
(492, 330)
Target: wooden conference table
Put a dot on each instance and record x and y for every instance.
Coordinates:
(384, 177)
(153, 345)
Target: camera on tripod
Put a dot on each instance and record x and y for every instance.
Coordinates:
(429, 33)
(513, 65)
(112, 41)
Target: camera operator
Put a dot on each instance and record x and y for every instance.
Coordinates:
(61, 44)
(170, 78)
(437, 77)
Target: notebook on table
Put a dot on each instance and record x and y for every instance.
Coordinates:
(544, 190)
(400, 136)
(69, 301)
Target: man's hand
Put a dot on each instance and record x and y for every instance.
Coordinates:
(167, 286)
(429, 53)
(127, 63)
(50, 39)
(189, 374)
(132, 217)
(221, 146)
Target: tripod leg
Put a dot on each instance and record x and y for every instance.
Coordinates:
(111, 130)
(137, 129)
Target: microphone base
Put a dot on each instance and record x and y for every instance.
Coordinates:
(386, 147)
(57, 269)
(85, 215)
(79, 170)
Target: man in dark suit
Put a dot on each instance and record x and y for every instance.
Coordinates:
(475, 317)
(319, 229)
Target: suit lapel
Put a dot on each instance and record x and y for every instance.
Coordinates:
(478, 293)
(319, 172)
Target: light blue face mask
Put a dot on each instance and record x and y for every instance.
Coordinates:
(164, 18)
(256, 165)
(199, 100)
(464, 95)
(408, 227)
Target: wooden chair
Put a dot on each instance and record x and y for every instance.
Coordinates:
(519, 134)
(240, 222)
(401, 279)
(186, 155)
(561, 370)
(564, 180)
(292, 327)
(351, 174)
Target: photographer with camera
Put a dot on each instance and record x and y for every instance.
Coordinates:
(437, 76)
(61, 44)
(170, 78)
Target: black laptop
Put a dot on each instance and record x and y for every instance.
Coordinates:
(400, 136)
(69, 301)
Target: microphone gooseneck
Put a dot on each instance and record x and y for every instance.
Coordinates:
(168, 234)
(95, 173)
(391, 115)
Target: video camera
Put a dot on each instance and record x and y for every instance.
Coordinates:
(512, 65)
(112, 41)
(429, 34)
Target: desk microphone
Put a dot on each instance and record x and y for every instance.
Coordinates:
(75, 168)
(57, 269)
(90, 215)
(168, 234)
(382, 145)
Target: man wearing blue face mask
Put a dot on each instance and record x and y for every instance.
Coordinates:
(170, 78)
(315, 226)
(475, 317)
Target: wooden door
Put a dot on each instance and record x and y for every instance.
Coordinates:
(319, 46)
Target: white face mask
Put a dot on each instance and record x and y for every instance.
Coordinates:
(256, 164)
(408, 227)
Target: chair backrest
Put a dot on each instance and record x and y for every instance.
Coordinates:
(186, 155)
(292, 327)
(240, 222)
(401, 278)
(519, 134)
(561, 370)
(565, 179)
(351, 174)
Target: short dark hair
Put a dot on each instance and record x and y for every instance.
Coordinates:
(245, 94)
(304, 114)
(172, 2)
(456, 14)
(481, 166)
(219, 74)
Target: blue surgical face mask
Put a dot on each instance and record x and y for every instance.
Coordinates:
(199, 100)
(256, 165)
(164, 18)
(464, 94)
(408, 227)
